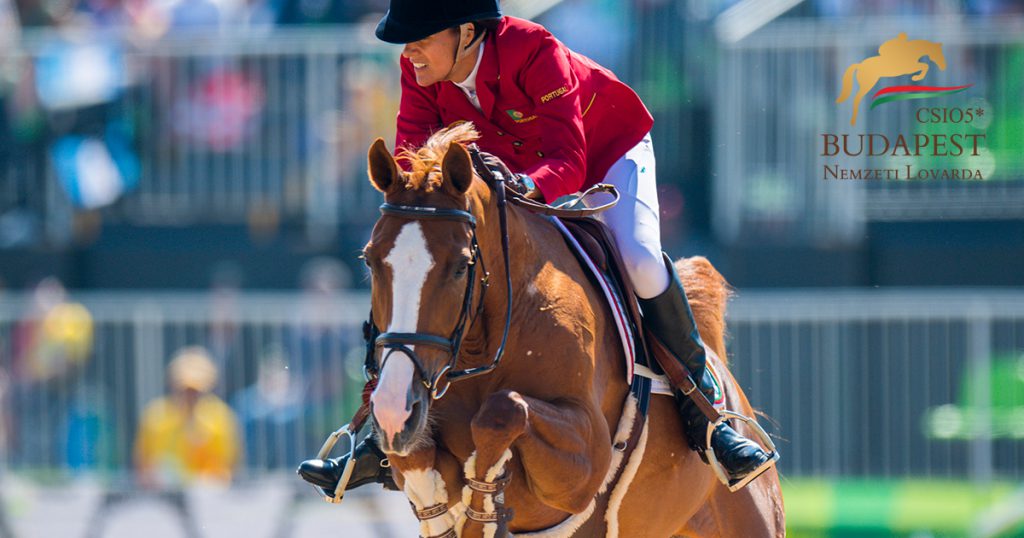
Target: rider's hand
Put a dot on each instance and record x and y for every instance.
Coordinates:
(496, 165)
(536, 195)
(517, 182)
(525, 186)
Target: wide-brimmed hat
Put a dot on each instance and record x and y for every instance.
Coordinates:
(412, 20)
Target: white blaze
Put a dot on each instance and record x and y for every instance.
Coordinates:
(410, 261)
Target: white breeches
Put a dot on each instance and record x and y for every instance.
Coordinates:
(634, 220)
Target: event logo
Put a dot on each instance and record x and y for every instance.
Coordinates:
(945, 143)
(896, 57)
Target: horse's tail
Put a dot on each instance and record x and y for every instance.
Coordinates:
(708, 292)
(847, 83)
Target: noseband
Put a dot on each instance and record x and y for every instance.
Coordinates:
(390, 342)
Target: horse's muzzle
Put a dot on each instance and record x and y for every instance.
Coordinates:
(397, 436)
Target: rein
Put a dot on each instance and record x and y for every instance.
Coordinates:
(568, 209)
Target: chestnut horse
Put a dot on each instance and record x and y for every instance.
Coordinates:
(547, 415)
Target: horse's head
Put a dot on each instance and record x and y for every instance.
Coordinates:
(935, 53)
(422, 270)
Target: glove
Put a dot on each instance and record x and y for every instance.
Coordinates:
(520, 183)
(496, 165)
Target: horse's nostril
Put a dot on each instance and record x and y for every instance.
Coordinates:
(412, 408)
(418, 409)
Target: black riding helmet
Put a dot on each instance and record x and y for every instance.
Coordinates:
(412, 20)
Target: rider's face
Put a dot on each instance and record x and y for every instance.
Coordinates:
(433, 56)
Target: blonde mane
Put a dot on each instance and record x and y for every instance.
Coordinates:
(425, 162)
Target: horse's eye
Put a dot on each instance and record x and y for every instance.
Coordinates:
(461, 268)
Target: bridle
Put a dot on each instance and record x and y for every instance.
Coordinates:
(390, 342)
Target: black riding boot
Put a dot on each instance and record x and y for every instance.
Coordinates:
(370, 467)
(669, 317)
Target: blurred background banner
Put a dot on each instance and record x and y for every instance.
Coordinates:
(183, 197)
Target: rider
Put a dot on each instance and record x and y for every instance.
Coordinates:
(562, 123)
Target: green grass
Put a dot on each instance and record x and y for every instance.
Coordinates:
(870, 508)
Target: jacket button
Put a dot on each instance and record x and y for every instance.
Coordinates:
(518, 143)
(500, 133)
(540, 153)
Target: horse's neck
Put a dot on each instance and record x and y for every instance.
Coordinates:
(519, 230)
(533, 242)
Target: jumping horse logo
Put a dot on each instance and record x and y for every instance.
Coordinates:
(896, 57)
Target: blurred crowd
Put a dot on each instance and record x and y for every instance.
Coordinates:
(72, 105)
(844, 8)
(232, 397)
(93, 113)
(154, 18)
(157, 17)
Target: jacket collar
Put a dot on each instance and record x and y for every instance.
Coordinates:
(486, 86)
(487, 76)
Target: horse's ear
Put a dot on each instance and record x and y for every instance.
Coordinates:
(457, 168)
(382, 169)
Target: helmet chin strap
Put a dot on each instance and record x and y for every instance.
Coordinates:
(461, 52)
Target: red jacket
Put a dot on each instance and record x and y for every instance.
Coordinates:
(548, 112)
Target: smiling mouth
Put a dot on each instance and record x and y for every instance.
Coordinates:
(418, 66)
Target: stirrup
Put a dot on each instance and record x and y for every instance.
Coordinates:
(350, 463)
(716, 466)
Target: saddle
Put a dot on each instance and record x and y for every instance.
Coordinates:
(592, 243)
(649, 358)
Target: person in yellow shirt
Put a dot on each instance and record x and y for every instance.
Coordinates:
(190, 434)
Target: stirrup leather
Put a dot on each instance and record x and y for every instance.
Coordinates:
(716, 466)
(680, 378)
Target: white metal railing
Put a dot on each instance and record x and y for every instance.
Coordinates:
(860, 382)
(866, 382)
(80, 412)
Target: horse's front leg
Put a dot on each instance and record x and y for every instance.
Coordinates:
(922, 71)
(563, 446)
(432, 480)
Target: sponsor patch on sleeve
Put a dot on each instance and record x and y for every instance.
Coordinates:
(551, 95)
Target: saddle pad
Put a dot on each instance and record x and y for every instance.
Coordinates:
(612, 293)
(659, 384)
